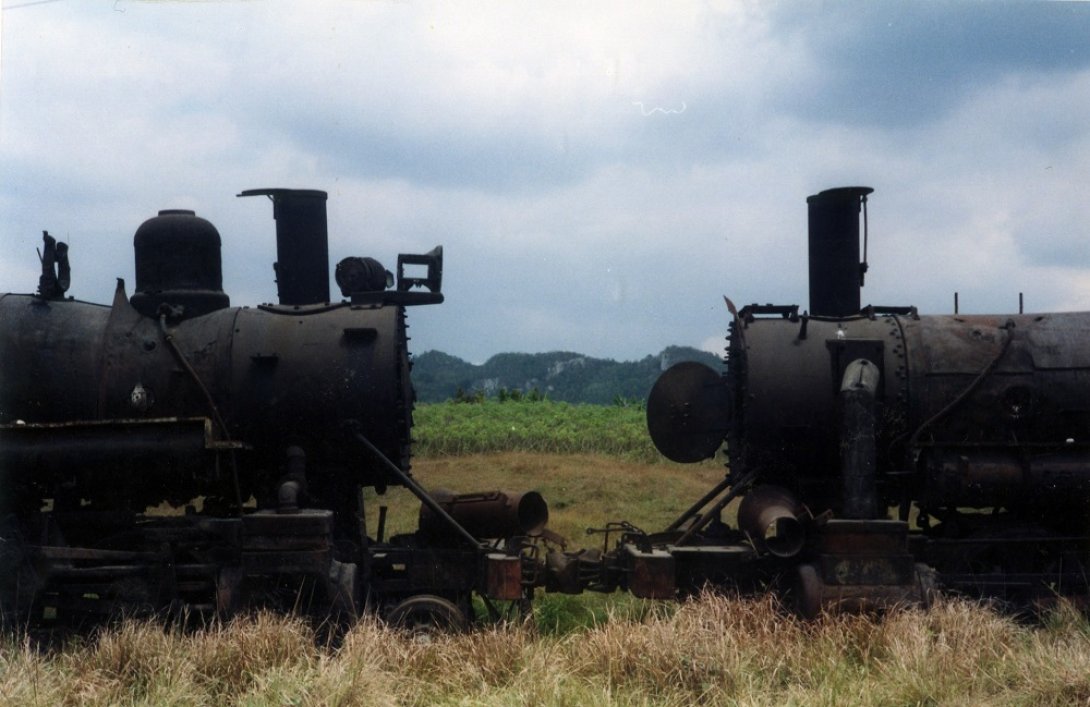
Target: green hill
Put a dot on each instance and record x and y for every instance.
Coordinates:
(558, 375)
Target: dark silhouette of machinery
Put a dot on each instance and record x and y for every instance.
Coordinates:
(263, 423)
(878, 453)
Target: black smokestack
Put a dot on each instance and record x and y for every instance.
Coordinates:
(836, 272)
(302, 244)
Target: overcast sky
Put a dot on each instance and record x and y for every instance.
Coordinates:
(600, 174)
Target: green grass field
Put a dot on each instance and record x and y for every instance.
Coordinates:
(586, 650)
(545, 426)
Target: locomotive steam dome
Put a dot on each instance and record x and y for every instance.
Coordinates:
(178, 263)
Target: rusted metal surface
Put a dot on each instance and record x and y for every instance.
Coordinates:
(571, 573)
(814, 596)
(836, 270)
(649, 574)
(178, 265)
(503, 577)
(493, 514)
(302, 244)
(249, 422)
(687, 412)
(698, 567)
(975, 427)
(858, 437)
(773, 519)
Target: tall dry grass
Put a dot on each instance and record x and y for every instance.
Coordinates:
(715, 650)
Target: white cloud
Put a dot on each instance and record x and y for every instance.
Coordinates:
(524, 138)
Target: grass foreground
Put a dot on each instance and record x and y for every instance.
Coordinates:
(714, 650)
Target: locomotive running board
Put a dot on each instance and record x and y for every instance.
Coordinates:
(64, 445)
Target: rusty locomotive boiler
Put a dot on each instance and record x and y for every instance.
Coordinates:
(261, 425)
(879, 455)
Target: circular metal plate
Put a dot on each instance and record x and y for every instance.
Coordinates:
(688, 412)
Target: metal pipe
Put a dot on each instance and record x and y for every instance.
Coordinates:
(858, 454)
(416, 489)
(302, 244)
(696, 527)
(693, 509)
(770, 516)
(836, 272)
(493, 514)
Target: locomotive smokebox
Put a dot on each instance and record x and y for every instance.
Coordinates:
(178, 263)
(836, 272)
(302, 244)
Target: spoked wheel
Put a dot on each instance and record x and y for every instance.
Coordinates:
(426, 616)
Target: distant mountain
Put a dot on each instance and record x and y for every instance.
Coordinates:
(559, 375)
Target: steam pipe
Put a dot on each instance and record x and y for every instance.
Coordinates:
(858, 448)
(493, 514)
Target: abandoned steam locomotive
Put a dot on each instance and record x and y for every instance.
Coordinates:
(875, 455)
(263, 423)
(880, 454)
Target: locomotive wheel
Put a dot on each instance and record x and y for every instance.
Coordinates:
(425, 616)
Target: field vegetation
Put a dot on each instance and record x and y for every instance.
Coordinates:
(716, 650)
(475, 424)
(587, 650)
